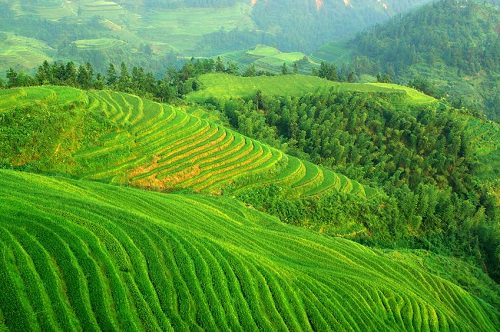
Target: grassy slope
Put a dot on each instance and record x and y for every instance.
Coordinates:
(81, 255)
(227, 86)
(145, 144)
(22, 52)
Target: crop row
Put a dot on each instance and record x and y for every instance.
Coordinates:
(77, 255)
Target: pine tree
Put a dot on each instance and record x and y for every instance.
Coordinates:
(250, 71)
(12, 78)
(219, 65)
(351, 77)
(44, 74)
(284, 69)
(124, 80)
(232, 68)
(112, 77)
(71, 73)
(84, 78)
(100, 82)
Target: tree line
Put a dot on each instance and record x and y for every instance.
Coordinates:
(175, 84)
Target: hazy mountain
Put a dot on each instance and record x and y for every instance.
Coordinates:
(144, 32)
(449, 48)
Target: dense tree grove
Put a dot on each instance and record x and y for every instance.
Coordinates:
(175, 84)
(421, 36)
(421, 158)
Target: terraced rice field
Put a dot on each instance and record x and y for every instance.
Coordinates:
(161, 147)
(22, 52)
(229, 86)
(96, 44)
(78, 255)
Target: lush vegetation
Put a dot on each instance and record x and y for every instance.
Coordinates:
(224, 86)
(269, 59)
(446, 49)
(423, 155)
(124, 139)
(152, 34)
(166, 183)
(77, 255)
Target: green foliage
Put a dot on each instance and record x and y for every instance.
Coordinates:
(412, 48)
(82, 255)
(43, 136)
(129, 140)
(269, 60)
(423, 157)
(224, 86)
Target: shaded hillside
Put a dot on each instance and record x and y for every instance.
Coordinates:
(450, 48)
(309, 24)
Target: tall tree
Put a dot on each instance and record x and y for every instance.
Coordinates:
(112, 76)
(250, 71)
(284, 69)
(12, 78)
(71, 73)
(124, 80)
(44, 74)
(219, 65)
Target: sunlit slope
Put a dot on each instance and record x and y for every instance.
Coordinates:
(77, 255)
(227, 86)
(155, 146)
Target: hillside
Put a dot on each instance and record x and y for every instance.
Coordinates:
(78, 255)
(123, 139)
(269, 59)
(435, 166)
(229, 86)
(446, 49)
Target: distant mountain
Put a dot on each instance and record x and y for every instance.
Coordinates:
(450, 48)
(151, 33)
(305, 25)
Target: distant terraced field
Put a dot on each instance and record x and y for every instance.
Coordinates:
(78, 255)
(162, 147)
(229, 86)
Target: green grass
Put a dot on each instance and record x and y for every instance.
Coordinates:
(264, 51)
(337, 52)
(120, 138)
(229, 86)
(79, 255)
(182, 28)
(415, 96)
